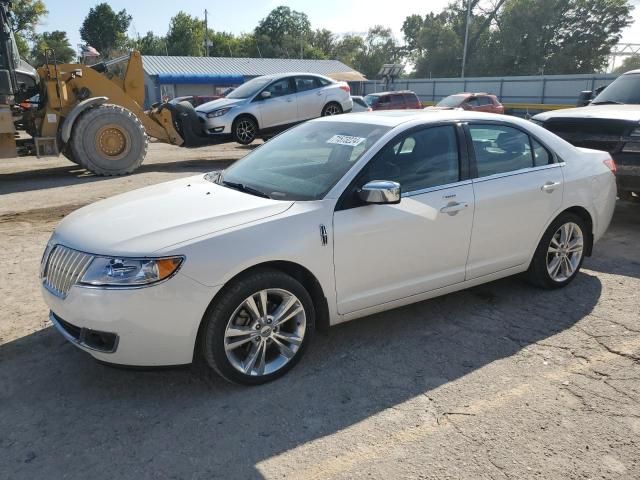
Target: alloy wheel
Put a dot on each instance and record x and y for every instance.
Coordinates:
(331, 110)
(565, 252)
(265, 332)
(246, 131)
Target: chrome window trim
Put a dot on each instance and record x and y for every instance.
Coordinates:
(446, 186)
(522, 171)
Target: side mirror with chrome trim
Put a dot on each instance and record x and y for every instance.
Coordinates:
(380, 192)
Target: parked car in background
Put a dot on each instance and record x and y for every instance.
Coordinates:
(610, 122)
(477, 102)
(272, 103)
(241, 266)
(401, 100)
(360, 105)
(195, 100)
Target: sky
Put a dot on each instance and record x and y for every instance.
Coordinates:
(339, 16)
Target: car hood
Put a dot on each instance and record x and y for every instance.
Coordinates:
(143, 221)
(629, 113)
(219, 103)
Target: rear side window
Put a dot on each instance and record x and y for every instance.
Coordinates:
(500, 149)
(383, 100)
(306, 83)
(411, 98)
(397, 100)
(484, 101)
(323, 81)
(473, 102)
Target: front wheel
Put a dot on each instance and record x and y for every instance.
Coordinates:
(258, 328)
(332, 108)
(560, 252)
(245, 130)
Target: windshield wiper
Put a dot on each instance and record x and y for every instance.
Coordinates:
(607, 102)
(245, 188)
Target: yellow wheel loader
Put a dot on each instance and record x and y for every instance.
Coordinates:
(93, 115)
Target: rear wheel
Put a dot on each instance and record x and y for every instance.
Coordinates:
(331, 108)
(560, 252)
(245, 130)
(109, 140)
(258, 328)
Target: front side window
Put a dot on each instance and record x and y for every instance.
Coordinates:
(305, 162)
(280, 88)
(249, 89)
(421, 159)
(500, 149)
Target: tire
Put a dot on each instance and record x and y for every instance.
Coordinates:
(245, 130)
(109, 140)
(551, 270)
(331, 108)
(230, 309)
(68, 154)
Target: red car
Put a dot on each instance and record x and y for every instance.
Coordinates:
(478, 102)
(403, 100)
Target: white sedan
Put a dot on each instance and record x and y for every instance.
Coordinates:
(336, 219)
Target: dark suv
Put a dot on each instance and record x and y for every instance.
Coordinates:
(403, 100)
(610, 122)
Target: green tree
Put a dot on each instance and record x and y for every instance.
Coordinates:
(379, 47)
(348, 49)
(26, 16)
(104, 29)
(631, 62)
(185, 36)
(56, 40)
(150, 44)
(283, 33)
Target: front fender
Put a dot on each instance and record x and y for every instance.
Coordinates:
(67, 124)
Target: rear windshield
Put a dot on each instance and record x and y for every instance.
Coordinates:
(624, 89)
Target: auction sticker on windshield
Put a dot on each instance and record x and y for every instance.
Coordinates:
(346, 140)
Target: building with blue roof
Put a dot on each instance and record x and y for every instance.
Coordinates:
(169, 77)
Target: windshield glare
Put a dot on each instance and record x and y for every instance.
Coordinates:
(624, 89)
(451, 101)
(250, 88)
(305, 162)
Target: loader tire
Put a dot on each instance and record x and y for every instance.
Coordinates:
(109, 140)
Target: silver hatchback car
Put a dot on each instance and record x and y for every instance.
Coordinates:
(272, 103)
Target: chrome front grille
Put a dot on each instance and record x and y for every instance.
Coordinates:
(63, 267)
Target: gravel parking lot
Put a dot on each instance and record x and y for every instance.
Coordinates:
(500, 381)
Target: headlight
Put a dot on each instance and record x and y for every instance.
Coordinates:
(129, 272)
(218, 113)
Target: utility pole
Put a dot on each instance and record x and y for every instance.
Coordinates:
(206, 33)
(466, 38)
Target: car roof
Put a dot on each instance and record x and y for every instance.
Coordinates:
(394, 118)
(289, 74)
(375, 94)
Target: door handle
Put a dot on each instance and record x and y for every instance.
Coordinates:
(549, 186)
(289, 99)
(452, 208)
(318, 93)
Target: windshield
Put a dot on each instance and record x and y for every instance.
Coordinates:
(250, 88)
(451, 101)
(624, 89)
(371, 99)
(305, 162)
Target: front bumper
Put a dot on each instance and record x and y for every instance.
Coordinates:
(151, 326)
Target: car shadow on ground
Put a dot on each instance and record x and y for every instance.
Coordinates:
(42, 179)
(63, 413)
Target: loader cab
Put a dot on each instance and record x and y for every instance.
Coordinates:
(17, 77)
